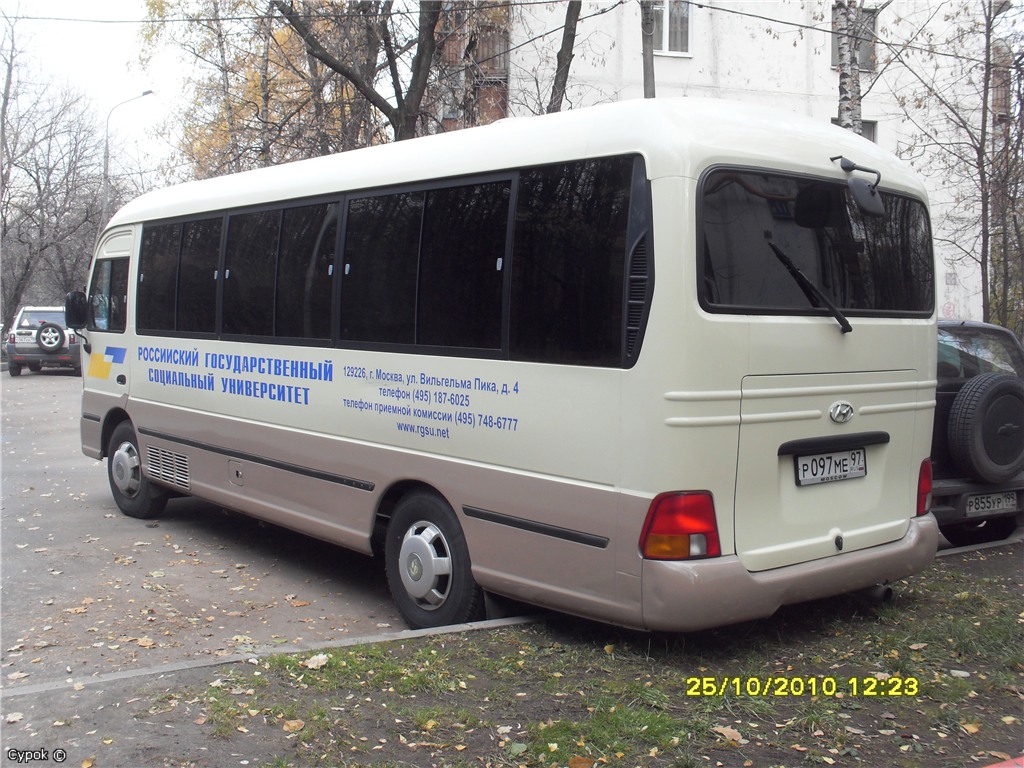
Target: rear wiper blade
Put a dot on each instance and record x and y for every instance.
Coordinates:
(813, 293)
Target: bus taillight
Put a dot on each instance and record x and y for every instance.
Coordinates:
(924, 488)
(680, 526)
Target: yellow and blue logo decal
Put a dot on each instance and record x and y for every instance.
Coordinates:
(100, 365)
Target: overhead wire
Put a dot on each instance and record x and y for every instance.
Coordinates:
(701, 4)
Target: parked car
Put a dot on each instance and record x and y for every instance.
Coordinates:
(978, 437)
(39, 338)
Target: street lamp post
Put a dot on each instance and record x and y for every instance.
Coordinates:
(106, 159)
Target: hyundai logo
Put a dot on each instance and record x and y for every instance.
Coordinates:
(841, 412)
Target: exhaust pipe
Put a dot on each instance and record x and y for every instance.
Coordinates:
(879, 593)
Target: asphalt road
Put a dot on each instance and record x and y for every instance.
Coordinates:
(86, 592)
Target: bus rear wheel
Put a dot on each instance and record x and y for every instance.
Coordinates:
(427, 563)
(133, 493)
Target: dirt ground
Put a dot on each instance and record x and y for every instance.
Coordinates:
(934, 678)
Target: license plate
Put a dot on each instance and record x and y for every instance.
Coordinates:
(830, 467)
(983, 503)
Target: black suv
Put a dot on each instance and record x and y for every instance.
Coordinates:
(40, 339)
(978, 439)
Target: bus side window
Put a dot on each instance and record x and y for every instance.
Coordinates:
(568, 262)
(158, 277)
(250, 264)
(378, 287)
(459, 302)
(305, 270)
(107, 296)
(197, 275)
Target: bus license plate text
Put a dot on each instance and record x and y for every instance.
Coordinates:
(829, 467)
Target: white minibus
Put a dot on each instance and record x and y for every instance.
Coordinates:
(668, 364)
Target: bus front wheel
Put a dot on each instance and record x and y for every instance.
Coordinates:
(133, 493)
(428, 566)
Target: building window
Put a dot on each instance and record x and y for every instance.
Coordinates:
(672, 26)
(868, 129)
(864, 38)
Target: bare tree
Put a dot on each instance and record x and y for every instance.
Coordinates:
(564, 57)
(401, 107)
(959, 90)
(51, 176)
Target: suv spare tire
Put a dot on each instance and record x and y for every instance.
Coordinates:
(986, 427)
(50, 337)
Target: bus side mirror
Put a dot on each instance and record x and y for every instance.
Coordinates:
(866, 197)
(76, 310)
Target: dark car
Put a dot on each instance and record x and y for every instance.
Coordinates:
(978, 439)
(40, 339)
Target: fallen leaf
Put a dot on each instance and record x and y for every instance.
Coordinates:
(581, 762)
(730, 734)
(293, 726)
(316, 662)
(14, 717)
(971, 727)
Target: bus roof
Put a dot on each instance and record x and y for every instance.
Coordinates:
(676, 136)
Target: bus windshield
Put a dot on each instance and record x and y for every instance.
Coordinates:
(862, 265)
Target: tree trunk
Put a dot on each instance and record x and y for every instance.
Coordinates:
(564, 57)
(234, 164)
(647, 51)
(847, 28)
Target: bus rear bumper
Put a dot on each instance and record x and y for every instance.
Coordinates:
(689, 596)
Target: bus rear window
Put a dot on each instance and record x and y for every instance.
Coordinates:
(756, 227)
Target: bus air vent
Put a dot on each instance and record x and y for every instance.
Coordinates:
(637, 296)
(168, 467)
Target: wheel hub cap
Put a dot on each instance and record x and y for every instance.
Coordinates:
(426, 565)
(124, 469)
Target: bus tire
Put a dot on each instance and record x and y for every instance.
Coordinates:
(427, 563)
(986, 434)
(133, 493)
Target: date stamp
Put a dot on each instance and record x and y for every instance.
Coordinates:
(802, 685)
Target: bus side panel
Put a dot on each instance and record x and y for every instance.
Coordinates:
(518, 458)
